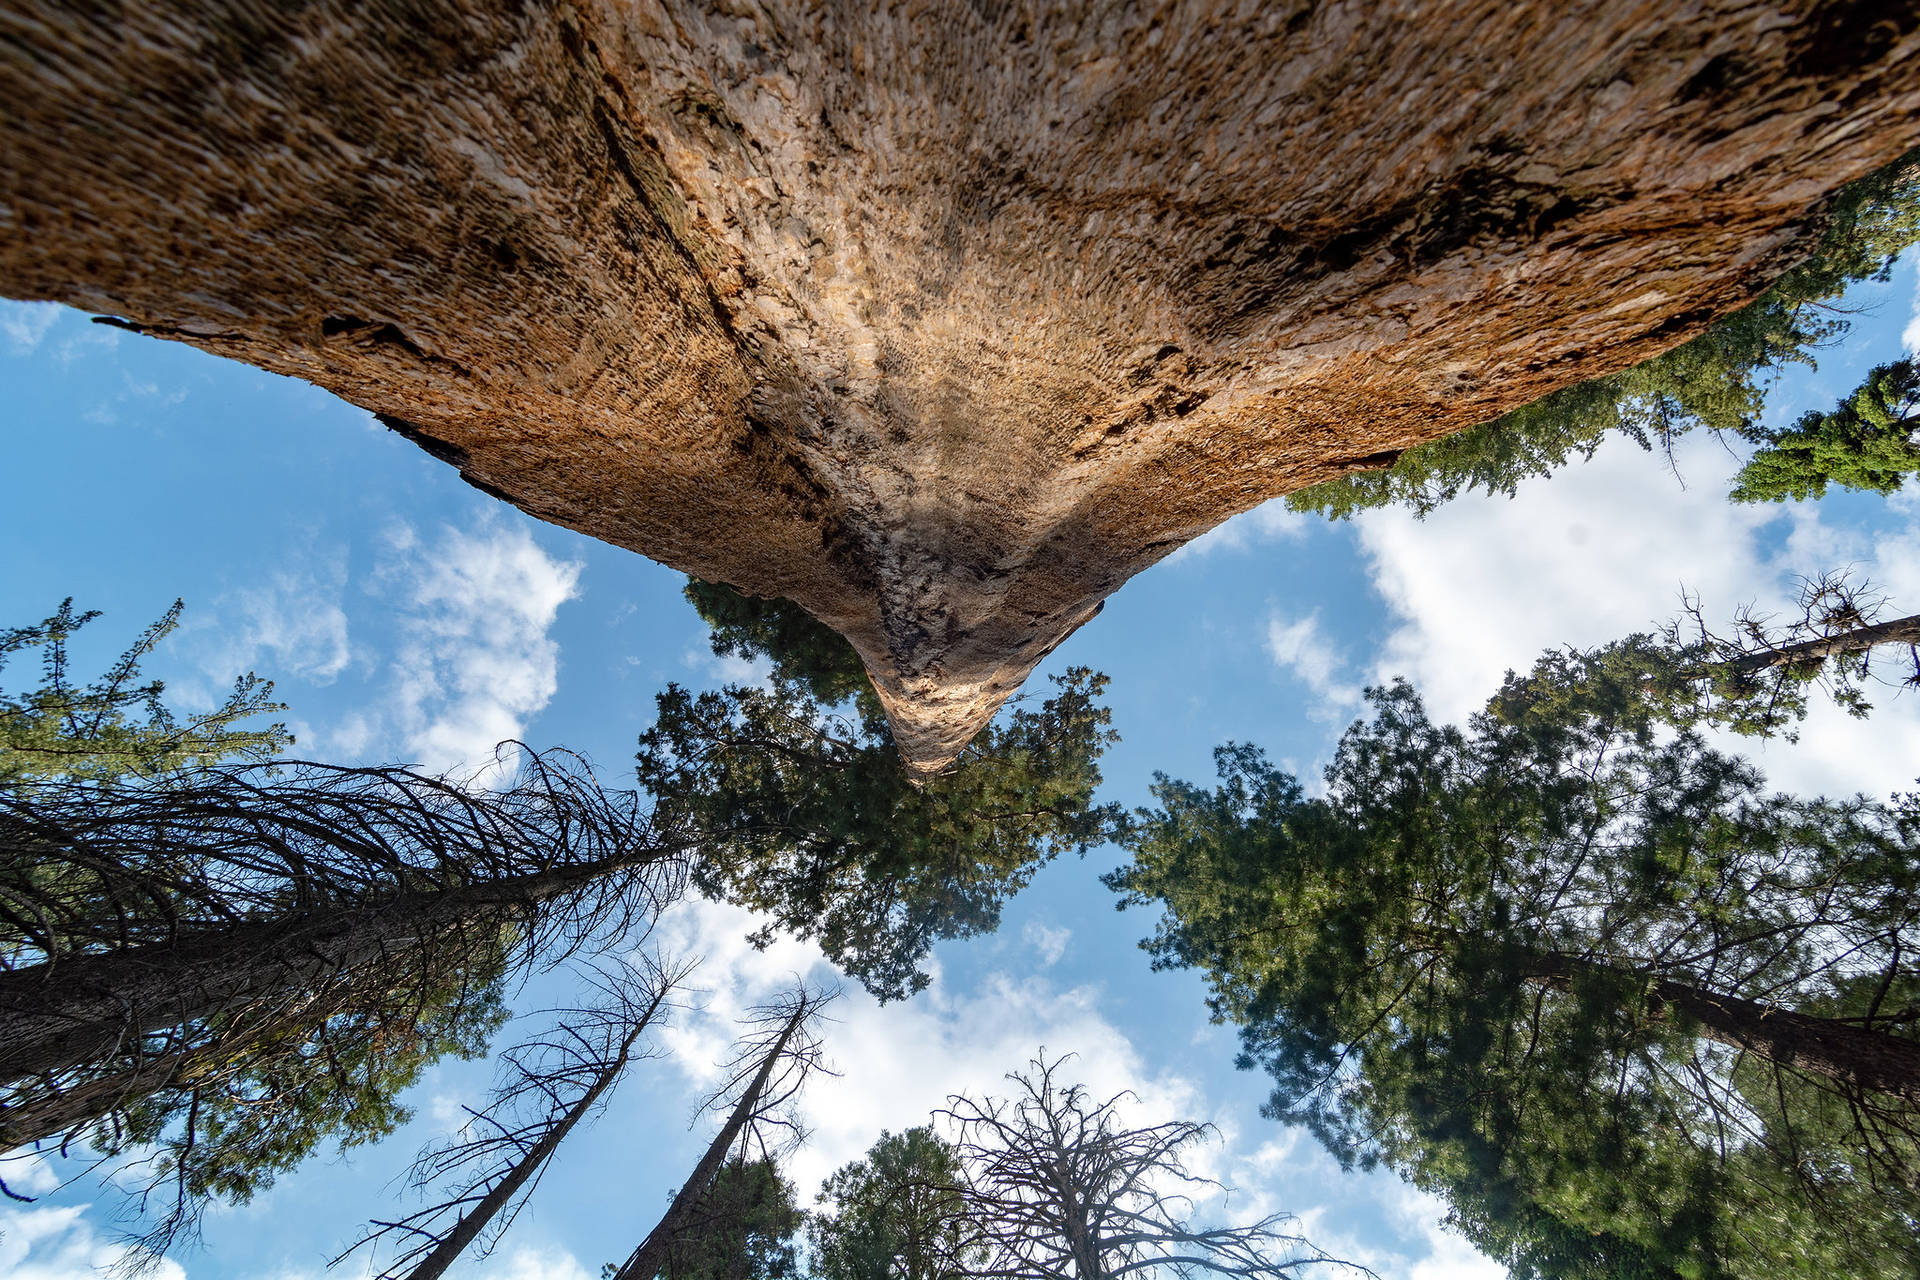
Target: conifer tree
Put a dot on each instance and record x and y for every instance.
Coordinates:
(728, 1202)
(807, 815)
(1866, 442)
(1575, 971)
(65, 730)
(1059, 1187)
(898, 1213)
(548, 1085)
(234, 965)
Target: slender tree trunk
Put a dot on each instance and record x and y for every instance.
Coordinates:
(1073, 1210)
(1845, 1052)
(471, 1225)
(650, 1259)
(51, 1114)
(76, 1009)
(1899, 631)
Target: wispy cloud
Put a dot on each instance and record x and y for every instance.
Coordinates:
(1602, 551)
(1049, 940)
(61, 1244)
(1299, 647)
(1910, 336)
(25, 324)
(475, 660)
(295, 624)
(895, 1065)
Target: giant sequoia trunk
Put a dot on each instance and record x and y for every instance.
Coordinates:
(943, 320)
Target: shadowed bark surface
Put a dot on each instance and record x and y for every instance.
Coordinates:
(945, 320)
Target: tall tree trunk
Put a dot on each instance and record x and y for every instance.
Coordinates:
(31, 1116)
(472, 1224)
(1845, 1052)
(1860, 639)
(78, 1009)
(650, 1259)
(940, 319)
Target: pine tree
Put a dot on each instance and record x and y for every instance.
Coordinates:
(1575, 971)
(1866, 442)
(64, 730)
(899, 1213)
(236, 965)
(733, 1210)
(808, 816)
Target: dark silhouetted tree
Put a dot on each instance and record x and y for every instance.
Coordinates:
(724, 1201)
(547, 1086)
(232, 966)
(1058, 1187)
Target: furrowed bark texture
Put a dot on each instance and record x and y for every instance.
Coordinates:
(941, 320)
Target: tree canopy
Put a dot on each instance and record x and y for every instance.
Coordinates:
(1866, 442)
(807, 814)
(1576, 972)
(898, 1213)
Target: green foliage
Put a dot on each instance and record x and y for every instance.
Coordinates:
(897, 1214)
(230, 1124)
(805, 652)
(744, 1228)
(1717, 380)
(1753, 681)
(1866, 442)
(118, 726)
(807, 814)
(1462, 962)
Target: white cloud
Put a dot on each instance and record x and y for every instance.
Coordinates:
(1910, 336)
(1603, 550)
(897, 1064)
(1269, 522)
(1300, 648)
(474, 660)
(295, 625)
(550, 1263)
(25, 324)
(1049, 941)
(61, 1244)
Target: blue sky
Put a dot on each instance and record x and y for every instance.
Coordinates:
(406, 616)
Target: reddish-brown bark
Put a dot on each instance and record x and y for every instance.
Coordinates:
(942, 319)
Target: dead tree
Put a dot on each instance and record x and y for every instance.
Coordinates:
(767, 1071)
(1758, 674)
(152, 930)
(1058, 1188)
(549, 1085)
